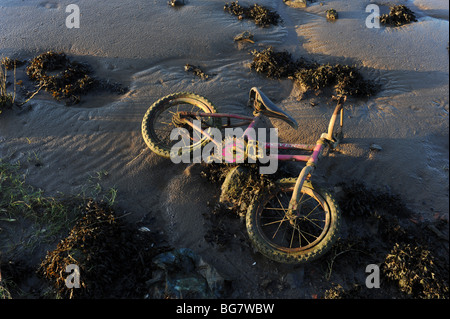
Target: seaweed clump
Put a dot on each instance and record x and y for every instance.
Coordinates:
(64, 79)
(414, 269)
(261, 15)
(414, 262)
(240, 183)
(176, 3)
(346, 80)
(332, 14)
(398, 16)
(381, 208)
(273, 64)
(245, 36)
(108, 253)
(196, 71)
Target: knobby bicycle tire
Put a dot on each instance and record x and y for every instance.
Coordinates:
(266, 245)
(151, 116)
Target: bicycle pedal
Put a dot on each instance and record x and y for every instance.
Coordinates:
(254, 151)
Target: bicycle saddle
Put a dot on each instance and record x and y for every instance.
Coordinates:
(263, 104)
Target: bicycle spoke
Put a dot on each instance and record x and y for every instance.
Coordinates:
(164, 125)
(300, 202)
(274, 222)
(281, 205)
(296, 230)
(313, 223)
(302, 234)
(299, 238)
(278, 228)
(161, 130)
(284, 218)
(310, 235)
(312, 210)
(293, 232)
(274, 208)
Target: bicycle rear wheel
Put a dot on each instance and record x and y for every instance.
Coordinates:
(160, 120)
(305, 235)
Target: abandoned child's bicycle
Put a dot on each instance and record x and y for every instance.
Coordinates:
(298, 222)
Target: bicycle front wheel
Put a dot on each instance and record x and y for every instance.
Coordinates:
(298, 237)
(161, 119)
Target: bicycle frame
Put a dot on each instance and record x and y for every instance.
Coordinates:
(328, 138)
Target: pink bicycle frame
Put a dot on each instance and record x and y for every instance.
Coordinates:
(311, 160)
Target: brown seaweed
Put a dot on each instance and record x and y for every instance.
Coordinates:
(61, 77)
(345, 80)
(65, 79)
(108, 252)
(176, 3)
(196, 71)
(274, 64)
(414, 269)
(261, 15)
(398, 16)
(332, 14)
(245, 36)
(413, 261)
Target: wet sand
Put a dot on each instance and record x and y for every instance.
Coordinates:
(145, 45)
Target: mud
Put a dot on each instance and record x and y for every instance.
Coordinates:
(377, 226)
(117, 258)
(59, 147)
(415, 258)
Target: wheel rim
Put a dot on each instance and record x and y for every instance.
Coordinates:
(163, 124)
(295, 233)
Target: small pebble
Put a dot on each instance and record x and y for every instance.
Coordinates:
(375, 147)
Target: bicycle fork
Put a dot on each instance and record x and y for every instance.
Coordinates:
(304, 174)
(326, 138)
